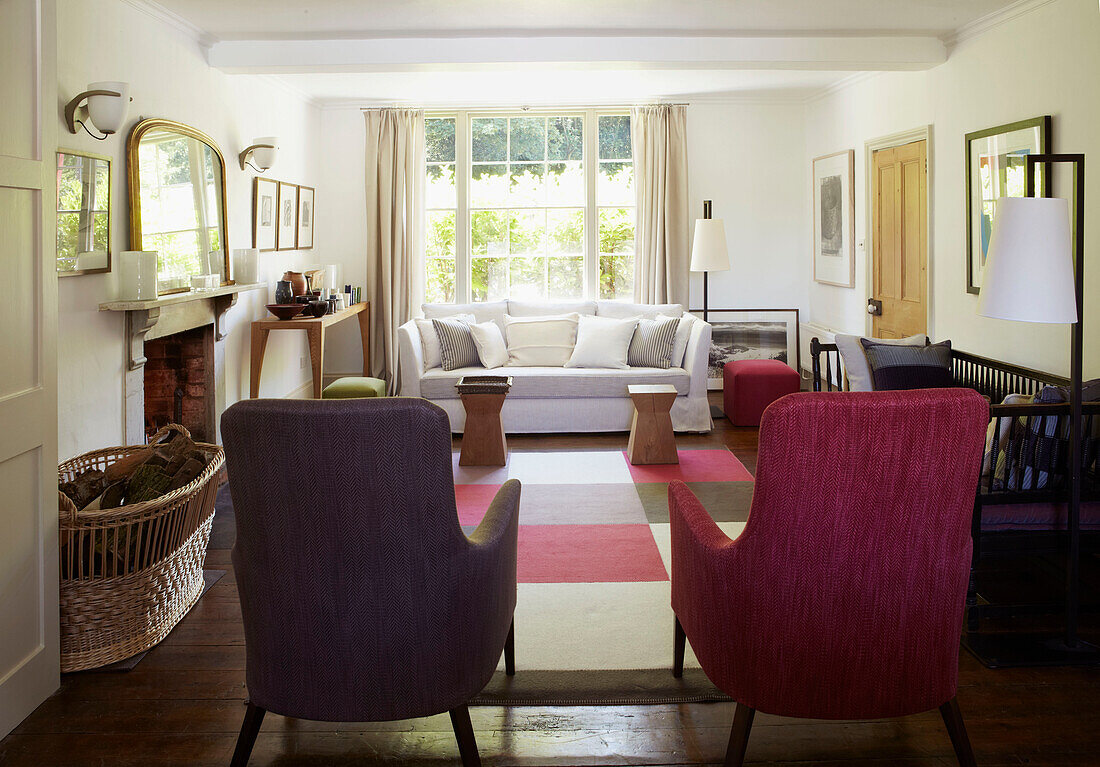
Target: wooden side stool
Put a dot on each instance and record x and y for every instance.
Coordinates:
(651, 437)
(483, 441)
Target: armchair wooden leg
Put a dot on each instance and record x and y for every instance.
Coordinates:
(250, 728)
(679, 647)
(464, 734)
(510, 650)
(739, 735)
(952, 717)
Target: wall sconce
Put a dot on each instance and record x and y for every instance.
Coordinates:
(108, 103)
(262, 151)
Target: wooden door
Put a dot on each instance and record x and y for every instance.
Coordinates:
(29, 660)
(900, 215)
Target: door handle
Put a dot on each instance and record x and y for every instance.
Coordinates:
(874, 307)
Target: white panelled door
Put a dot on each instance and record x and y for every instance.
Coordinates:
(29, 659)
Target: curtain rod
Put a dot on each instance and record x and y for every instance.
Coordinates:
(500, 108)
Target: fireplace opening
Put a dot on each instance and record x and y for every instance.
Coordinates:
(179, 382)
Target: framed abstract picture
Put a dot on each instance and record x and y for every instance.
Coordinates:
(751, 334)
(305, 217)
(834, 219)
(265, 197)
(286, 229)
(996, 161)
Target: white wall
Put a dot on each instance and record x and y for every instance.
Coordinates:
(169, 78)
(744, 157)
(1044, 62)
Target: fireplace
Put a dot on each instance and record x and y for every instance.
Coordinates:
(179, 382)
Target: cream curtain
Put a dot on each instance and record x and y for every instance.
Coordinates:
(395, 228)
(659, 138)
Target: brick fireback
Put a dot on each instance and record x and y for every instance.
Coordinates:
(177, 366)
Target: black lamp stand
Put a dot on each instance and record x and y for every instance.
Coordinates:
(706, 288)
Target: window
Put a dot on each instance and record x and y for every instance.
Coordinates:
(516, 210)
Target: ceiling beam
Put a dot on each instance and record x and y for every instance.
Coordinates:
(865, 53)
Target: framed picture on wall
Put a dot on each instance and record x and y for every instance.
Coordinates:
(265, 200)
(752, 334)
(834, 219)
(996, 161)
(305, 217)
(286, 229)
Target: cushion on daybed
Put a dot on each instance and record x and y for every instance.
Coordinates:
(560, 382)
(1036, 516)
(896, 367)
(854, 358)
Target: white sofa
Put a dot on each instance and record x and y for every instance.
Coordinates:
(558, 399)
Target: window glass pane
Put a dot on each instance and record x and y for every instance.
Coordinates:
(489, 138)
(566, 138)
(565, 231)
(565, 277)
(439, 139)
(441, 234)
(616, 230)
(615, 186)
(565, 183)
(527, 277)
(489, 232)
(441, 186)
(526, 185)
(528, 139)
(617, 277)
(527, 232)
(439, 284)
(488, 278)
(489, 186)
(615, 137)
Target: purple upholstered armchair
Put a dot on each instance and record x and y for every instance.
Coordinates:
(362, 598)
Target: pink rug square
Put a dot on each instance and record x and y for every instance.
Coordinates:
(473, 501)
(694, 466)
(589, 554)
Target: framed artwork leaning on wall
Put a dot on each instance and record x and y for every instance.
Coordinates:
(752, 334)
(834, 219)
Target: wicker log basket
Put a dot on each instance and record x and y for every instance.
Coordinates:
(130, 574)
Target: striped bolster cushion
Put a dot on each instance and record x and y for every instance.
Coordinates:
(651, 346)
(456, 344)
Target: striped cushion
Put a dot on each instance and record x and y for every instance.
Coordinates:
(456, 344)
(908, 367)
(651, 346)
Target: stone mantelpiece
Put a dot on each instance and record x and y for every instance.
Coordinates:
(165, 316)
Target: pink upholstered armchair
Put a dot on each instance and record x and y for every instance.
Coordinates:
(843, 598)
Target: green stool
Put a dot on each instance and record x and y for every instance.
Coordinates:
(354, 387)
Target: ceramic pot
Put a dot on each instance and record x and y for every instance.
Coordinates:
(318, 308)
(297, 282)
(284, 292)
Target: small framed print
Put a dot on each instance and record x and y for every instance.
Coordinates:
(265, 203)
(305, 217)
(834, 219)
(286, 230)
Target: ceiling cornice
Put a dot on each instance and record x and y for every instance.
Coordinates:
(204, 39)
(991, 21)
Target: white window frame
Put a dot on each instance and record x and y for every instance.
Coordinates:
(464, 167)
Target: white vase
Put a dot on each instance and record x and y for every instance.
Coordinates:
(246, 266)
(138, 273)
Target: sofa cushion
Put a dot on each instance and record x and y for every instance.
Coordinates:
(855, 359)
(489, 340)
(622, 309)
(653, 341)
(895, 367)
(683, 335)
(540, 341)
(602, 342)
(518, 308)
(483, 312)
(456, 345)
(429, 339)
(541, 382)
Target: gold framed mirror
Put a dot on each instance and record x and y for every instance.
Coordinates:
(83, 213)
(176, 183)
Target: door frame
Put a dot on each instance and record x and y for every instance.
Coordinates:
(901, 138)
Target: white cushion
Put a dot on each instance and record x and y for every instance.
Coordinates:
(489, 341)
(855, 360)
(429, 339)
(549, 308)
(483, 312)
(683, 335)
(559, 383)
(623, 310)
(540, 341)
(602, 342)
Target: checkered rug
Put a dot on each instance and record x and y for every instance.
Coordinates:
(594, 550)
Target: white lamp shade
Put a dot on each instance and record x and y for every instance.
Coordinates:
(708, 248)
(262, 157)
(108, 113)
(1028, 273)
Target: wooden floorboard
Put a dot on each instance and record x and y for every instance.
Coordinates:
(183, 704)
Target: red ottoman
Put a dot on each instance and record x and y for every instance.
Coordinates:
(749, 386)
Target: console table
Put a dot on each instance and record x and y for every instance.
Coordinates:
(315, 328)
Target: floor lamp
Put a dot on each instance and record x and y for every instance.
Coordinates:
(1034, 272)
(708, 250)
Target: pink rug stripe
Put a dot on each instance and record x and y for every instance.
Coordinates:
(473, 501)
(694, 466)
(589, 554)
